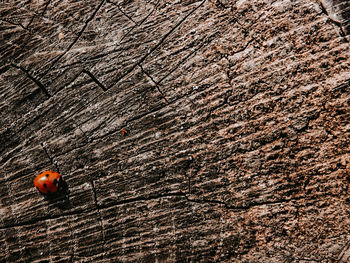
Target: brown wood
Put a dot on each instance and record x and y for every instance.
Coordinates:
(237, 126)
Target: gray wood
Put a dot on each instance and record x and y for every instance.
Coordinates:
(237, 120)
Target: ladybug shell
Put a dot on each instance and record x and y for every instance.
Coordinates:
(47, 182)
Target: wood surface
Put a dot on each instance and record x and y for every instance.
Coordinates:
(237, 121)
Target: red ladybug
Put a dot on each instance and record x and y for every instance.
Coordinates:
(47, 182)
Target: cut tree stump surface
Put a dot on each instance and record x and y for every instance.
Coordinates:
(237, 121)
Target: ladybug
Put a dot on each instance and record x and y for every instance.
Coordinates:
(47, 182)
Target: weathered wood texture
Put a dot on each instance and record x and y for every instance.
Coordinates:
(237, 115)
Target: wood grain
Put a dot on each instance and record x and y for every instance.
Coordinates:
(237, 120)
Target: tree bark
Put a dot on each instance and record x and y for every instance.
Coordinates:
(185, 130)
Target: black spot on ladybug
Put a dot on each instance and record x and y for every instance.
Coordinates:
(45, 185)
(47, 175)
(55, 181)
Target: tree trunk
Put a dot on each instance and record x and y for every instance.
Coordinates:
(185, 130)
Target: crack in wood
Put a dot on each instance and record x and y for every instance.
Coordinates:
(122, 11)
(94, 79)
(155, 83)
(45, 8)
(141, 22)
(77, 38)
(15, 24)
(35, 14)
(158, 44)
(36, 81)
(185, 59)
(118, 44)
